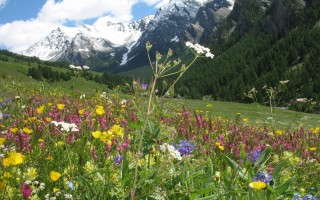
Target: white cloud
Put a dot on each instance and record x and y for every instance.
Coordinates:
(157, 3)
(19, 35)
(2, 3)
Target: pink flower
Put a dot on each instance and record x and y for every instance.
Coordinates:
(26, 191)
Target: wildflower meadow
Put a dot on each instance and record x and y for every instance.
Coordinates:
(67, 145)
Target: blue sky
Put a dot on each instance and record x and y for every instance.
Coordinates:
(24, 22)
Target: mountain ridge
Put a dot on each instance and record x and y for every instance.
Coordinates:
(111, 45)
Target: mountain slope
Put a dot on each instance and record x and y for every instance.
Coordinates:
(261, 51)
(107, 45)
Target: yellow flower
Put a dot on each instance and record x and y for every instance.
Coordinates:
(100, 110)
(2, 140)
(54, 176)
(107, 137)
(220, 146)
(279, 132)
(96, 134)
(16, 158)
(40, 109)
(13, 130)
(55, 190)
(7, 175)
(311, 148)
(48, 119)
(60, 106)
(50, 157)
(117, 130)
(81, 112)
(13, 159)
(27, 130)
(41, 140)
(3, 185)
(60, 143)
(245, 120)
(258, 185)
(6, 162)
(30, 174)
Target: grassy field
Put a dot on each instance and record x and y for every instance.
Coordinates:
(252, 113)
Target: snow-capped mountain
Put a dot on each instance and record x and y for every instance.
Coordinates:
(117, 44)
(71, 44)
(170, 25)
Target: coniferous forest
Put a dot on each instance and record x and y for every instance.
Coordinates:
(259, 54)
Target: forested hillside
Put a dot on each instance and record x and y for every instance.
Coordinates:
(265, 47)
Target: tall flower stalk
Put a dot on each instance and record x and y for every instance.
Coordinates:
(163, 67)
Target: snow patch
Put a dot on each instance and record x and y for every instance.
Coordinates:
(231, 2)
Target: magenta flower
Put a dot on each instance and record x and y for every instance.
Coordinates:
(26, 191)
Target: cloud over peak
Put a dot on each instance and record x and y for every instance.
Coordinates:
(19, 35)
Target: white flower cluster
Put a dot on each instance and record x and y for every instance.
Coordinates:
(79, 67)
(66, 126)
(302, 100)
(200, 49)
(172, 151)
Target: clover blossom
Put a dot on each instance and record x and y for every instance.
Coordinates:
(185, 147)
(200, 49)
(263, 177)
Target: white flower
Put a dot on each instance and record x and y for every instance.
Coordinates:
(1, 115)
(68, 196)
(200, 49)
(302, 100)
(284, 82)
(123, 101)
(85, 67)
(66, 126)
(172, 151)
(82, 96)
(42, 186)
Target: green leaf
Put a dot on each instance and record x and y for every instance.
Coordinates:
(264, 157)
(235, 167)
(282, 188)
(277, 171)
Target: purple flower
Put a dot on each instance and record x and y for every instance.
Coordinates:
(263, 177)
(117, 160)
(185, 147)
(144, 86)
(309, 196)
(253, 155)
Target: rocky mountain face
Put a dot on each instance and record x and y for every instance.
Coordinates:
(118, 47)
(177, 22)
